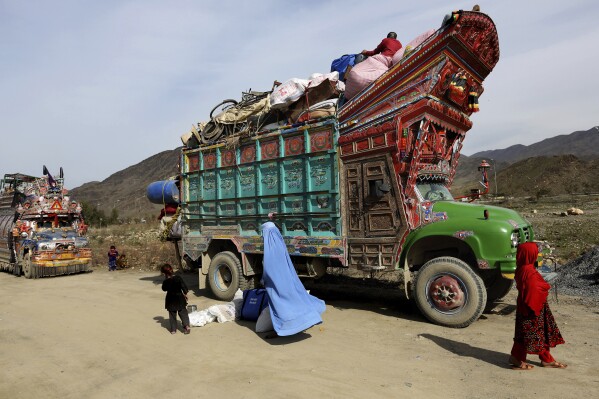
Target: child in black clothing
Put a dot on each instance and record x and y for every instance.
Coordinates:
(176, 299)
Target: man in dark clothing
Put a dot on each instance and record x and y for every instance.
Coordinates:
(389, 46)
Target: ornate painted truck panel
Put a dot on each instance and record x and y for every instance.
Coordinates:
(42, 231)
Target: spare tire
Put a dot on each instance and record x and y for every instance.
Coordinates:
(211, 133)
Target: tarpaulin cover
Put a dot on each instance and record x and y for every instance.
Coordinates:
(235, 115)
(342, 63)
(292, 308)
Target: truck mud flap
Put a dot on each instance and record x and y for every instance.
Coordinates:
(41, 271)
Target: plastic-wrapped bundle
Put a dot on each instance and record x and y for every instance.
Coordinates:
(365, 73)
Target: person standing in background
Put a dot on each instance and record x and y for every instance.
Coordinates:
(113, 254)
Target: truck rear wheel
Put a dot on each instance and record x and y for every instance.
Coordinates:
(225, 276)
(27, 267)
(448, 292)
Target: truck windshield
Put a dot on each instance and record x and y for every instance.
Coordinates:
(433, 192)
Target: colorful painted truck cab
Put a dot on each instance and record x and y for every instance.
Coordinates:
(368, 188)
(42, 231)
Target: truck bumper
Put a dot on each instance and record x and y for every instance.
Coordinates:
(507, 268)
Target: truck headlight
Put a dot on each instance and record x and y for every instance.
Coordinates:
(515, 239)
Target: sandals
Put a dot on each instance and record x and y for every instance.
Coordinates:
(174, 332)
(187, 330)
(522, 367)
(554, 365)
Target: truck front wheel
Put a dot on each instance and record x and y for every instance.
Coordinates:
(27, 267)
(448, 292)
(225, 276)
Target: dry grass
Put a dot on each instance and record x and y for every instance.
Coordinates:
(139, 242)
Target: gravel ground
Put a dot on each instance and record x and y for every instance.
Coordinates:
(580, 277)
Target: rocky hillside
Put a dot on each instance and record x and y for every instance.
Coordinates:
(532, 177)
(126, 189)
(583, 144)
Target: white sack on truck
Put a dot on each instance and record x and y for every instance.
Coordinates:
(293, 89)
(365, 73)
(288, 92)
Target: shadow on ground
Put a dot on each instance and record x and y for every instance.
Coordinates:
(495, 358)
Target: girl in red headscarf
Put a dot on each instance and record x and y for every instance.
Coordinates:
(536, 331)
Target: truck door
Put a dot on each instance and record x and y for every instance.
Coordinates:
(375, 222)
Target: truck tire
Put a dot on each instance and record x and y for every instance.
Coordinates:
(225, 276)
(449, 293)
(27, 266)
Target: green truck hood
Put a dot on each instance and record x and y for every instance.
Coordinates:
(468, 211)
(489, 239)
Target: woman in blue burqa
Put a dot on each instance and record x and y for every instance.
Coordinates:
(292, 309)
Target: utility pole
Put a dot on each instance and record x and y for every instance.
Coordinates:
(495, 173)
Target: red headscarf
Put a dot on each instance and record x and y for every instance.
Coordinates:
(532, 288)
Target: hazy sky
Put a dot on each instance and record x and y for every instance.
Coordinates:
(96, 86)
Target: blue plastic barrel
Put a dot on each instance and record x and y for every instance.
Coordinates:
(163, 192)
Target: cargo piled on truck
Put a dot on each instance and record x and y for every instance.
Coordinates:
(42, 230)
(366, 186)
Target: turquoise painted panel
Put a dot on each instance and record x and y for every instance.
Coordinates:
(267, 205)
(293, 175)
(208, 188)
(250, 227)
(226, 208)
(294, 205)
(226, 183)
(193, 189)
(323, 227)
(193, 211)
(247, 181)
(295, 227)
(324, 203)
(322, 169)
(247, 207)
(208, 210)
(269, 179)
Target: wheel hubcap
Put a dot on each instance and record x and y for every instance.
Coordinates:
(445, 293)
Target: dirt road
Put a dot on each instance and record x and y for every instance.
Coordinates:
(104, 335)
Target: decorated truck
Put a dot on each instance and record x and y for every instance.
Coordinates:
(366, 188)
(42, 231)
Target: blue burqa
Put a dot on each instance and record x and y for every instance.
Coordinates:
(292, 309)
